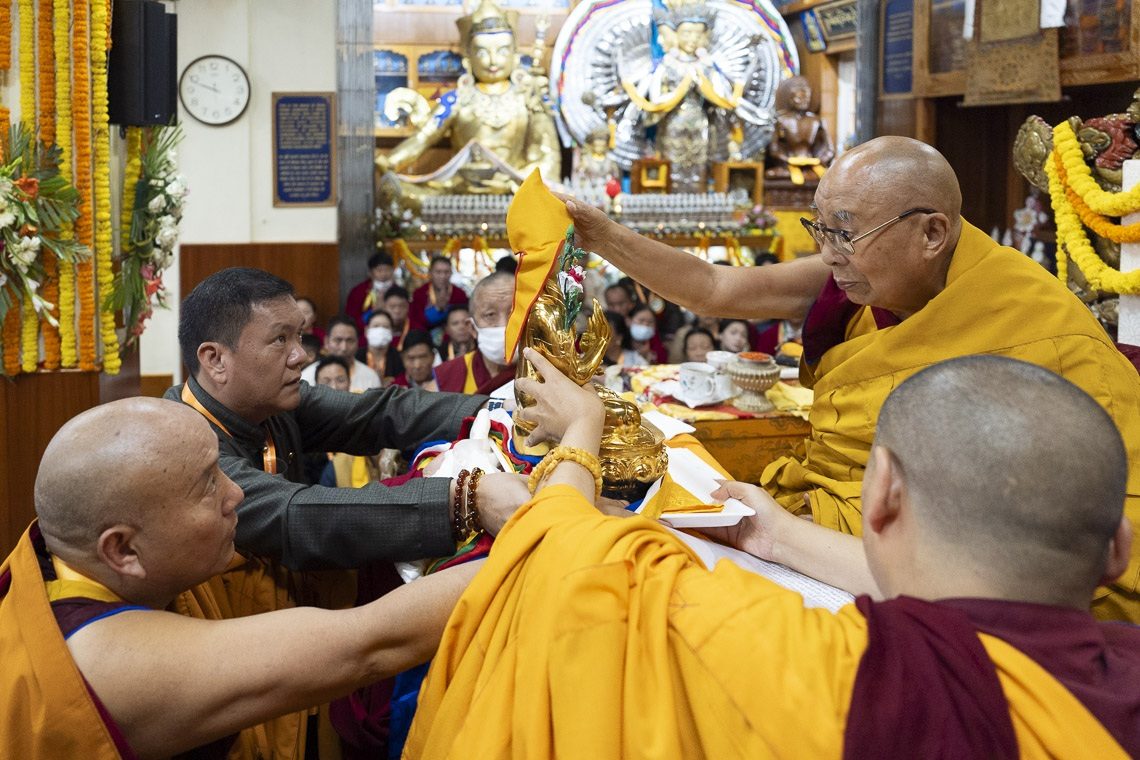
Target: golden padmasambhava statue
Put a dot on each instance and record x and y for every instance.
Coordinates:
(498, 119)
(632, 453)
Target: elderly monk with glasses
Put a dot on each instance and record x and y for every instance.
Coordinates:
(901, 282)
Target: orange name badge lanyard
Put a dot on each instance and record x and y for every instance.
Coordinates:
(268, 454)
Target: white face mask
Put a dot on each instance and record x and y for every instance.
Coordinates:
(493, 343)
(378, 337)
(641, 332)
(381, 286)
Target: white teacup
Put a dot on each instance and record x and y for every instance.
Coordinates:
(698, 382)
(717, 359)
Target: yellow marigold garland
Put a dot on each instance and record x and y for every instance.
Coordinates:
(1118, 233)
(29, 336)
(130, 185)
(46, 55)
(104, 245)
(1080, 178)
(61, 22)
(84, 180)
(1075, 242)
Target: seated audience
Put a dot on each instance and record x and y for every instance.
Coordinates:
(619, 299)
(902, 281)
(977, 643)
(333, 372)
(396, 304)
(698, 343)
(133, 509)
(419, 359)
(369, 294)
(341, 340)
(643, 333)
(380, 352)
(458, 333)
(734, 335)
(486, 368)
(239, 336)
(434, 299)
(309, 311)
(620, 351)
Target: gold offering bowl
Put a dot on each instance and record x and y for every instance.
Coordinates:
(753, 375)
(632, 451)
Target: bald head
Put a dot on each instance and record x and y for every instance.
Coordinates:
(1012, 472)
(900, 167)
(111, 463)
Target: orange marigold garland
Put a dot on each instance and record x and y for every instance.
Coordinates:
(104, 245)
(27, 12)
(5, 35)
(84, 180)
(61, 22)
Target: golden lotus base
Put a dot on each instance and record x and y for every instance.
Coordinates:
(632, 462)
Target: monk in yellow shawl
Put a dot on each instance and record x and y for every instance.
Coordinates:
(901, 282)
(132, 510)
(588, 636)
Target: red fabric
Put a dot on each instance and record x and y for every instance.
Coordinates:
(420, 301)
(1131, 353)
(768, 339)
(402, 381)
(451, 376)
(925, 687)
(660, 353)
(1099, 663)
(354, 304)
(826, 324)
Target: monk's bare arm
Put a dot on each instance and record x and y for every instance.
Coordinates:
(173, 683)
(781, 291)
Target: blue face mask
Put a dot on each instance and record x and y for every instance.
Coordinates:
(641, 332)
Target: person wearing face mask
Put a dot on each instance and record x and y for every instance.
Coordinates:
(643, 331)
(379, 351)
(369, 294)
(486, 368)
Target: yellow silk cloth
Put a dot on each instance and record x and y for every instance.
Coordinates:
(586, 636)
(47, 711)
(536, 224)
(996, 301)
(672, 496)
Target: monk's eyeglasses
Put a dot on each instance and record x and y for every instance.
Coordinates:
(842, 241)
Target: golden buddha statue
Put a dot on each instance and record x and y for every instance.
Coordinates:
(632, 452)
(497, 118)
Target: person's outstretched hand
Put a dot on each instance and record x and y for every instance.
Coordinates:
(499, 496)
(559, 402)
(591, 225)
(758, 535)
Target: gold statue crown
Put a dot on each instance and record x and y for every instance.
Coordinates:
(487, 18)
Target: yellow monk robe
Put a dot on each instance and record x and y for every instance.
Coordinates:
(47, 712)
(996, 301)
(593, 637)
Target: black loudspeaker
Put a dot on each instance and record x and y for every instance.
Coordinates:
(142, 77)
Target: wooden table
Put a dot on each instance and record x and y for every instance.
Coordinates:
(746, 446)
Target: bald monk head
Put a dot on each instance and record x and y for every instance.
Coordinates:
(130, 493)
(991, 477)
(902, 265)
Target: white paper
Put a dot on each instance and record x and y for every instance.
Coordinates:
(815, 593)
(670, 427)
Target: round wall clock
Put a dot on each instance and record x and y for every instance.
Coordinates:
(214, 90)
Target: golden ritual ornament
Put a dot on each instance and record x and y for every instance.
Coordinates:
(549, 295)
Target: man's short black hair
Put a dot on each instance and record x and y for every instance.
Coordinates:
(417, 338)
(311, 342)
(508, 264)
(379, 259)
(394, 291)
(340, 319)
(219, 308)
(438, 258)
(326, 361)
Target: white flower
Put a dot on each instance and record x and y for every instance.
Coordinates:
(176, 188)
(7, 219)
(5, 189)
(166, 220)
(157, 205)
(25, 252)
(166, 238)
(3, 279)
